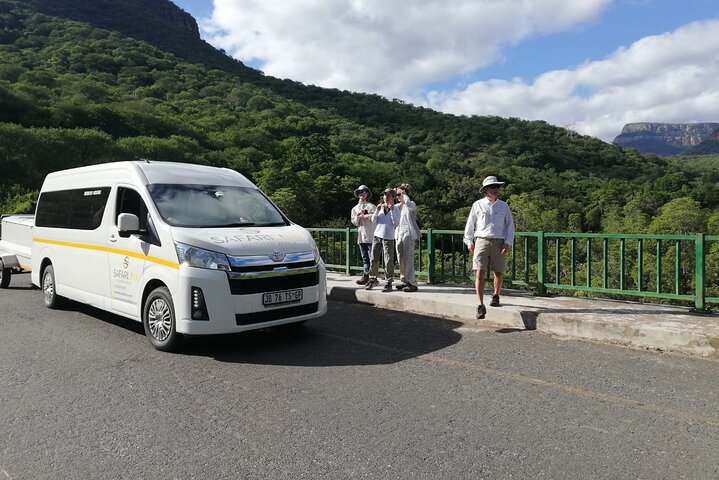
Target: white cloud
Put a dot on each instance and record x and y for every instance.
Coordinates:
(397, 47)
(388, 47)
(664, 78)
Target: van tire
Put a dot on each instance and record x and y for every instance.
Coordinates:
(4, 275)
(49, 289)
(158, 319)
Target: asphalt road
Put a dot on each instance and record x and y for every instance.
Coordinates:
(360, 393)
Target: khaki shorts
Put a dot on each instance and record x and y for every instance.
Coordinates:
(488, 256)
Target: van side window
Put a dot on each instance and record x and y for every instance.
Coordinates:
(80, 209)
(129, 201)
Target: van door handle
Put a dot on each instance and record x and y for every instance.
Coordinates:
(113, 238)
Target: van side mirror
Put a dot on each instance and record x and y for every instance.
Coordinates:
(127, 224)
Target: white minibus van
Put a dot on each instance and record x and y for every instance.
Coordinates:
(185, 249)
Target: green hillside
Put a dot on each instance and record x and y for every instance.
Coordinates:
(707, 147)
(88, 82)
(697, 165)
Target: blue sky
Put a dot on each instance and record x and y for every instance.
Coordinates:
(589, 65)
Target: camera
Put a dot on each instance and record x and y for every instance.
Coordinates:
(364, 211)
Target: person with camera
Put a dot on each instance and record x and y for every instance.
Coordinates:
(387, 218)
(406, 235)
(361, 218)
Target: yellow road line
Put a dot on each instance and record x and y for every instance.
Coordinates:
(117, 251)
(574, 390)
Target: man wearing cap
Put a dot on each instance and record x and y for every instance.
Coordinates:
(489, 234)
(361, 218)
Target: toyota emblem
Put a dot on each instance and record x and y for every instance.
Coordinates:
(277, 256)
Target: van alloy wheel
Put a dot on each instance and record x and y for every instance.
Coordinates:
(48, 287)
(159, 319)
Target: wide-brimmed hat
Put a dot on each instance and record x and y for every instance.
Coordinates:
(490, 180)
(363, 188)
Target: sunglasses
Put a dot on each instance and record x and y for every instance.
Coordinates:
(494, 187)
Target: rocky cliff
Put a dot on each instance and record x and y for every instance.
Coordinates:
(179, 17)
(664, 138)
(158, 16)
(709, 146)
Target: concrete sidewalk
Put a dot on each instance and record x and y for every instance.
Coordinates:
(651, 326)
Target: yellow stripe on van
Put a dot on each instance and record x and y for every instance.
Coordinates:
(141, 256)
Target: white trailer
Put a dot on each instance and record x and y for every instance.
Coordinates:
(15, 246)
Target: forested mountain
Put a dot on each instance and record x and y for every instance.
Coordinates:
(86, 82)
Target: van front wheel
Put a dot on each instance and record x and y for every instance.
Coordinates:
(158, 318)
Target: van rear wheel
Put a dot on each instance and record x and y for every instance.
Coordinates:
(158, 319)
(4, 275)
(49, 289)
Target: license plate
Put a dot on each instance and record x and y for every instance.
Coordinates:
(279, 298)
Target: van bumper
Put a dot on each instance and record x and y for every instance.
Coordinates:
(230, 313)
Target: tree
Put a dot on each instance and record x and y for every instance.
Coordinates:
(173, 149)
(713, 223)
(531, 214)
(17, 199)
(629, 218)
(681, 216)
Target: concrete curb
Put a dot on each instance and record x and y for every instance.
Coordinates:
(658, 334)
(646, 326)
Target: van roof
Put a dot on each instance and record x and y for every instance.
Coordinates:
(147, 172)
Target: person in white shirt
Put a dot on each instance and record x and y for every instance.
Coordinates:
(405, 236)
(361, 217)
(489, 234)
(387, 218)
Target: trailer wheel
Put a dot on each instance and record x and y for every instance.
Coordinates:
(4, 275)
(158, 318)
(49, 289)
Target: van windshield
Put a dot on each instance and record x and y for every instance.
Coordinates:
(207, 206)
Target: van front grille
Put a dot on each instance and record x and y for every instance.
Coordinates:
(273, 266)
(246, 285)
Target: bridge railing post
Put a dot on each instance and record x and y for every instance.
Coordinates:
(430, 257)
(541, 264)
(699, 259)
(348, 252)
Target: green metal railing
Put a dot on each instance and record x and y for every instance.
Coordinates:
(670, 267)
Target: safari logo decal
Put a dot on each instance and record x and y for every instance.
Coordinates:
(258, 239)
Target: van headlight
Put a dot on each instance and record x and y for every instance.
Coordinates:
(316, 251)
(190, 256)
